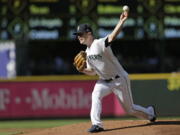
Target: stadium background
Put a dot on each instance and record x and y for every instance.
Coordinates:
(37, 50)
(149, 42)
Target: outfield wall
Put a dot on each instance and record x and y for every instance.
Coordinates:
(27, 99)
(163, 92)
(70, 96)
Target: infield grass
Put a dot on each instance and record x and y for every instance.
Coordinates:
(38, 123)
(6, 127)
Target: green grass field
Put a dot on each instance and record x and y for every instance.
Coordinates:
(13, 127)
(6, 126)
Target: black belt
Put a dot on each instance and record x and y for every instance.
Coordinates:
(109, 80)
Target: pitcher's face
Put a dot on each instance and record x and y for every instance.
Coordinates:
(84, 38)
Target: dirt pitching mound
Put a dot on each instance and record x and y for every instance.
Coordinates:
(117, 127)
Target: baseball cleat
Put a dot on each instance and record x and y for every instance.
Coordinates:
(95, 128)
(153, 112)
(153, 119)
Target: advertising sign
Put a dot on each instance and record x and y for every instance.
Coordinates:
(51, 99)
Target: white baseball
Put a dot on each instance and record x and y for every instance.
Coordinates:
(125, 8)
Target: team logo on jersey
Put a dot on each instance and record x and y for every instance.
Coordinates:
(95, 57)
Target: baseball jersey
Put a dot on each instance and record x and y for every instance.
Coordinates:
(101, 58)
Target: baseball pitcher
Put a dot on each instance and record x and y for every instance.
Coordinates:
(99, 59)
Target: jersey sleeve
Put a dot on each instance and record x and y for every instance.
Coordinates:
(103, 43)
(107, 43)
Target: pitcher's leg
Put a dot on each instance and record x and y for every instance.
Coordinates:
(127, 101)
(100, 90)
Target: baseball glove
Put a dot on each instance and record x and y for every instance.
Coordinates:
(80, 61)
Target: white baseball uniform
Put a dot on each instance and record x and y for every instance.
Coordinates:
(113, 78)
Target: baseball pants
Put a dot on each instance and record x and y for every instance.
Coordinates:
(121, 88)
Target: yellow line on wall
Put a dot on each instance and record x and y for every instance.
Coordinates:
(161, 76)
(50, 78)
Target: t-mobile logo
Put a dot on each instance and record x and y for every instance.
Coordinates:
(4, 98)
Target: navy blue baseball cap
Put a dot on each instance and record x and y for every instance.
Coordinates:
(83, 28)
